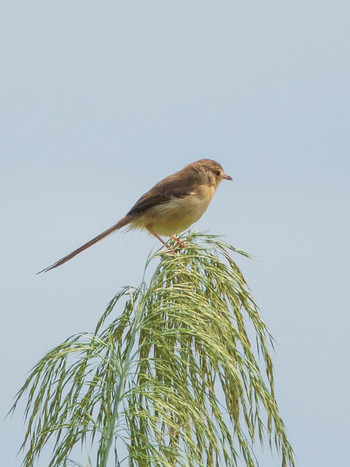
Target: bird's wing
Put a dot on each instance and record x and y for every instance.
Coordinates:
(163, 192)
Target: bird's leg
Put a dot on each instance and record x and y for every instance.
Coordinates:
(160, 239)
(180, 242)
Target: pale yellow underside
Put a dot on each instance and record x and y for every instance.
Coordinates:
(176, 215)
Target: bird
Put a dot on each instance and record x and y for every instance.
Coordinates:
(170, 207)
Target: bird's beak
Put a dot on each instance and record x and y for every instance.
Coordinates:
(227, 177)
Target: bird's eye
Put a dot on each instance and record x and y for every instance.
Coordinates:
(217, 173)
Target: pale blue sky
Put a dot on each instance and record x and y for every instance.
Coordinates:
(100, 100)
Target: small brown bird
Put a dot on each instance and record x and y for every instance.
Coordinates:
(170, 207)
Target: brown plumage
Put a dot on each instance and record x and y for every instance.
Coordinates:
(170, 207)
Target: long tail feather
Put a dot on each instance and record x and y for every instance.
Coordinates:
(66, 258)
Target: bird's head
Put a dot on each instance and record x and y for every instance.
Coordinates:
(211, 172)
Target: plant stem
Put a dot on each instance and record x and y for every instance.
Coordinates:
(127, 362)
